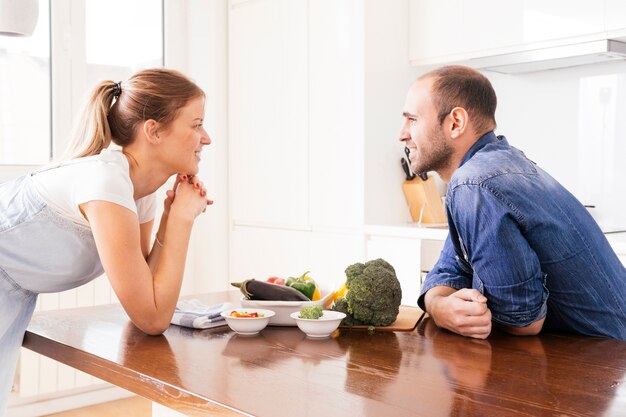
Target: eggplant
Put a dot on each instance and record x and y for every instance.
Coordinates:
(261, 290)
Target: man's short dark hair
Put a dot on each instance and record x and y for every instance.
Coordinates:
(459, 86)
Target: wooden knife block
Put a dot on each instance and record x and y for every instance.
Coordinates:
(424, 201)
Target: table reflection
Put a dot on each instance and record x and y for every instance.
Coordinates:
(506, 371)
(277, 344)
(147, 354)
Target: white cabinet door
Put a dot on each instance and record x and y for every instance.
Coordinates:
(454, 28)
(268, 112)
(430, 251)
(262, 253)
(558, 19)
(449, 30)
(404, 255)
(331, 254)
(336, 113)
(492, 24)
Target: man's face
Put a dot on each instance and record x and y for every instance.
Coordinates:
(421, 131)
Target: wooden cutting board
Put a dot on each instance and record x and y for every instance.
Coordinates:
(408, 317)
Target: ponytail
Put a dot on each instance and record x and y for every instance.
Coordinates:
(93, 133)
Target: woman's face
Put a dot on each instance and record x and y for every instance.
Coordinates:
(185, 137)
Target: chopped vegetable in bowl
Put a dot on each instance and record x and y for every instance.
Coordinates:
(311, 312)
(245, 314)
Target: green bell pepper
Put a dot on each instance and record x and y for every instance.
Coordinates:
(304, 284)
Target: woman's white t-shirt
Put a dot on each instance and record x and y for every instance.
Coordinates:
(102, 177)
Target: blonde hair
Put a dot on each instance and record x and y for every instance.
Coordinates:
(114, 110)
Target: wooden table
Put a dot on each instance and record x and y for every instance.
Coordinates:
(427, 372)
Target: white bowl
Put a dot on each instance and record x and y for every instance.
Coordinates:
(321, 327)
(284, 309)
(247, 325)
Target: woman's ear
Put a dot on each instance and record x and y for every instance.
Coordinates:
(151, 131)
(459, 120)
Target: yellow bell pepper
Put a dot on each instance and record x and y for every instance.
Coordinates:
(316, 294)
(341, 292)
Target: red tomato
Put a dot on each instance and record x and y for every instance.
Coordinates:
(276, 280)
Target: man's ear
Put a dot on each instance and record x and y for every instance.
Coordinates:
(151, 131)
(458, 122)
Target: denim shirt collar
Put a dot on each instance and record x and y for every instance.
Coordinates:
(484, 140)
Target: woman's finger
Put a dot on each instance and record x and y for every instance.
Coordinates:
(178, 180)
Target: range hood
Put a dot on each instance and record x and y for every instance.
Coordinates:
(605, 50)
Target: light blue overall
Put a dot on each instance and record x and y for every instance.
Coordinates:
(40, 252)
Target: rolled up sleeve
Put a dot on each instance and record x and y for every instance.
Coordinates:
(504, 266)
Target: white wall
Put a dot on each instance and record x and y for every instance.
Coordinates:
(388, 75)
(568, 121)
(196, 43)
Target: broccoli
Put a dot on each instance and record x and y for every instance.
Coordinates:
(311, 312)
(342, 305)
(373, 296)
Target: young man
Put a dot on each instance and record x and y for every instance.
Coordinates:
(522, 252)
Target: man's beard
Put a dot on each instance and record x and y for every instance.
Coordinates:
(434, 155)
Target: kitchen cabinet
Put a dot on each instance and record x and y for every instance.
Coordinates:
(615, 15)
(331, 253)
(456, 27)
(295, 160)
(404, 255)
(334, 125)
(459, 30)
(295, 157)
(268, 102)
(315, 102)
(561, 19)
(265, 252)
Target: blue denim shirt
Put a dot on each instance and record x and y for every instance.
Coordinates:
(528, 245)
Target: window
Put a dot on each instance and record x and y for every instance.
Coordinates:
(88, 41)
(25, 135)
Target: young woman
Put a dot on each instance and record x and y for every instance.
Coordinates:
(67, 223)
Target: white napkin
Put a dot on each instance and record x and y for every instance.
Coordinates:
(194, 314)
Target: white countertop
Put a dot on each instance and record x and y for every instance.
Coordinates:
(409, 230)
(617, 240)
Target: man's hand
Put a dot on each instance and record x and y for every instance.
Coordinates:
(462, 311)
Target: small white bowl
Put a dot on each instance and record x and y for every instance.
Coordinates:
(283, 309)
(247, 325)
(321, 327)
